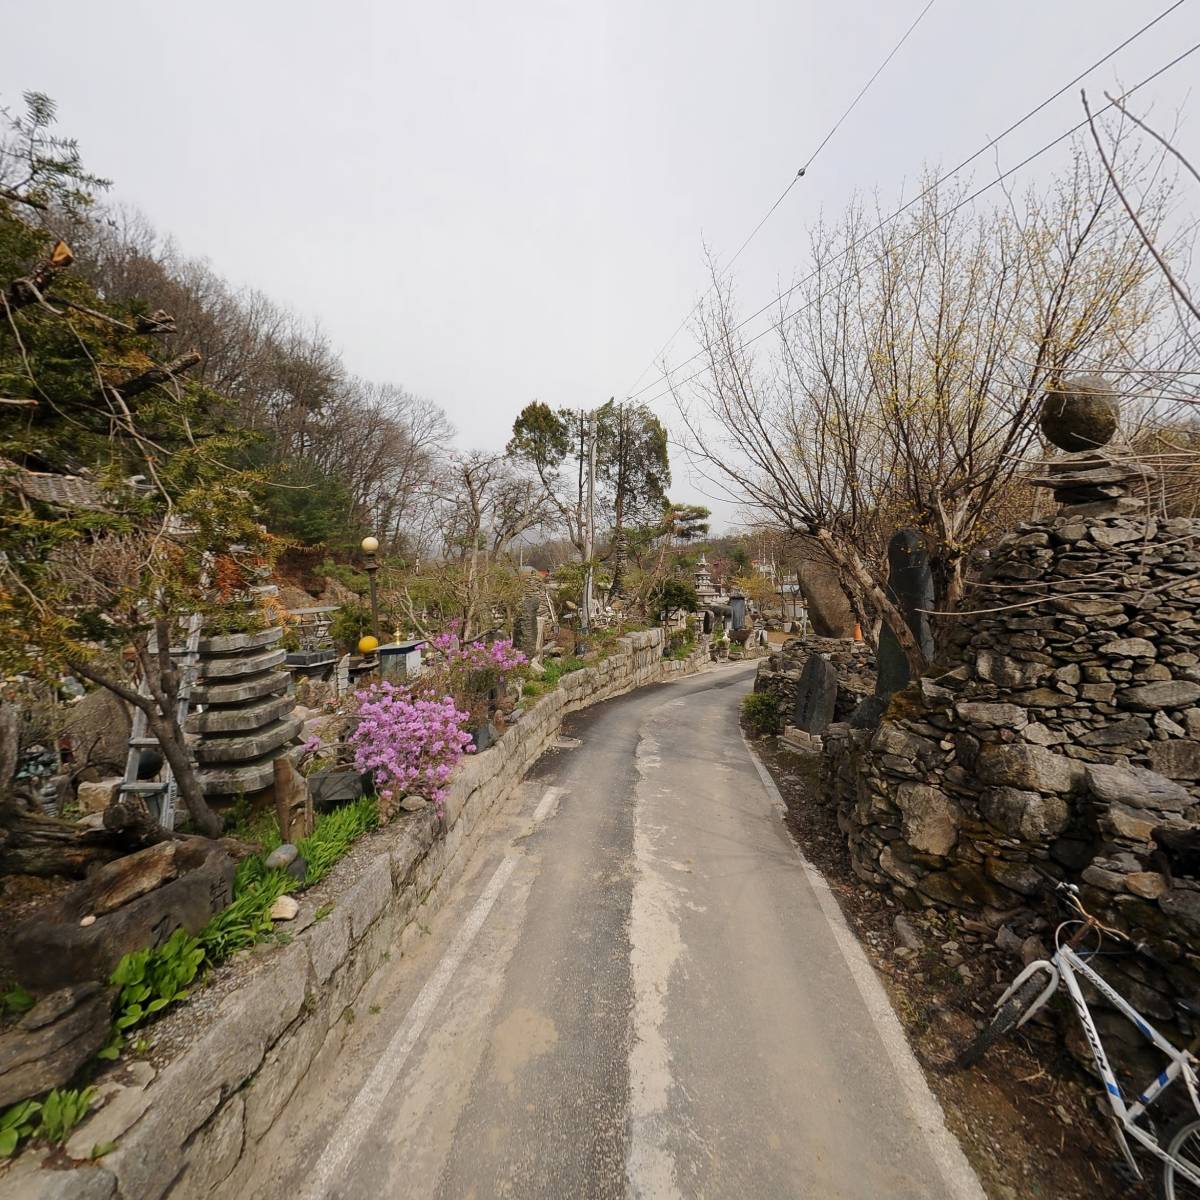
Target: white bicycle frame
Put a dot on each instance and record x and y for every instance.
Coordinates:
(1065, 966)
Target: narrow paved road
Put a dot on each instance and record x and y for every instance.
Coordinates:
(636, 990)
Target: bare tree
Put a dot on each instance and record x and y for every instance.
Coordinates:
(905, 380)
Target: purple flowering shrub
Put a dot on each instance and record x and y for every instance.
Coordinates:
(408, 743)
(470, 670)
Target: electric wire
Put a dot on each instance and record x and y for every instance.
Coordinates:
(935, 185)
(842, 253)
(786, 191)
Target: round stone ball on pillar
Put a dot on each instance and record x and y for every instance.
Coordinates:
(1079, 413)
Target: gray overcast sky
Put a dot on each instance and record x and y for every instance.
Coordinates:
(490, 203)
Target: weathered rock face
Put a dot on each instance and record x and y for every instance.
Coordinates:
(60, 1033)
(99, 726)
(828, 608)
(137, 901)
(816, 695)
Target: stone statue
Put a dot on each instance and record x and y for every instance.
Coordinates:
(910, 587)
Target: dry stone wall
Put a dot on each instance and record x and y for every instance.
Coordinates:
(191, 1130)
(1063, 738)
(853, 663)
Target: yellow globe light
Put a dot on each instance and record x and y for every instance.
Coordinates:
(370, 545)
(367, 644)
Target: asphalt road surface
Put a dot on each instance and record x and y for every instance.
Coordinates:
(637, 989)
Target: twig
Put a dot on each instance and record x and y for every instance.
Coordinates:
(1176, 286)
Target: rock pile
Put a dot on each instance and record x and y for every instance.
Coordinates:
(1064, 738)
(779, 674)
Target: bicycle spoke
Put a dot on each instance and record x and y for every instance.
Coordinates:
(1188, 1152)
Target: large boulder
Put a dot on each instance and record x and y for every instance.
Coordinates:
(134, 902)
(1079, 414)
(56, 1037)
(828, 607)
(98, 726)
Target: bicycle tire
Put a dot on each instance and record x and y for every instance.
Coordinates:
(1168, 1188)
(1003, 1023)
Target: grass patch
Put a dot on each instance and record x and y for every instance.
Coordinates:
(760, 713)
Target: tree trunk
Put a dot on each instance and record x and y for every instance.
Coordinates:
(848, 559)
(158, 374)
(159, 707)
(31, 844)
(170, 741)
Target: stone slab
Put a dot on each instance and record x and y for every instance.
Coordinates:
(250, 776)
(244, 747)
(235, 666)
(241, 719)
(267, 684)
(816, 695)
(232, 642)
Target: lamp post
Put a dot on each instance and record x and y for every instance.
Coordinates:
(370, 546)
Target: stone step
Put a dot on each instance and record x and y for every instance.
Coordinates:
(244, 718)
(252, 688)
(231, 642)
(241, 664)
(242, 747)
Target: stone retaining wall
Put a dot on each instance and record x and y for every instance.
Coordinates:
(192, 1130)
(1063, 740)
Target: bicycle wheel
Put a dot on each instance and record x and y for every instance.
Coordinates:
(1183, 1142)
(1004, 1022)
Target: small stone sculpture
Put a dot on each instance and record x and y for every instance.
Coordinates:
(1079, 414)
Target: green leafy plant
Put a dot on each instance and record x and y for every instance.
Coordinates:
(16, 1001)
(247, 920)
(760, 712)
(335, 833)
(16, 1124)
(151, 979)
(62, 1110)
(556, 668)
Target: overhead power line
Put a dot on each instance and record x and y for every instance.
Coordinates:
(966, 162)
(953, 209)
(787, 190)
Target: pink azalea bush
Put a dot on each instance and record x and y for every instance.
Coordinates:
(408, 743)
(470, 669)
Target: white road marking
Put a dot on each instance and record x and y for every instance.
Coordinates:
(960, 1180)
(546, 804)
(356, 1123)
(655, 946)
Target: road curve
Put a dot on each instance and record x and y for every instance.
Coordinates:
(638, 989)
